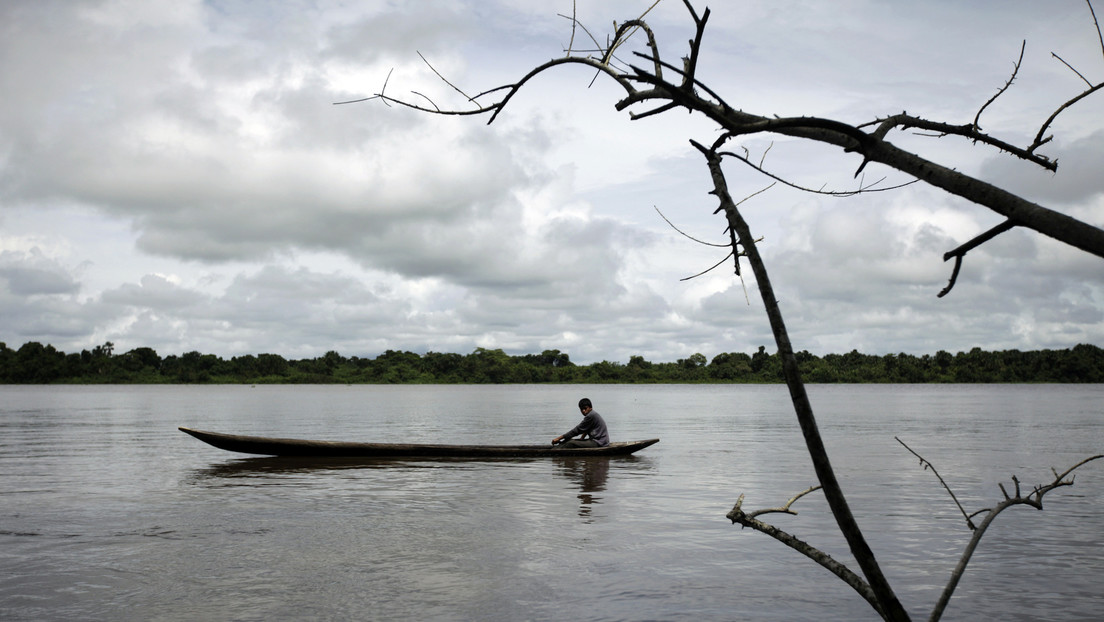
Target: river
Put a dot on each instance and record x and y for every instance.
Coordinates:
(107, 512)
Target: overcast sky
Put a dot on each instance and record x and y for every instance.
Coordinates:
(174, 174)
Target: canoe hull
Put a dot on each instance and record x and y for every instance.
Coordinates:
(263, 446)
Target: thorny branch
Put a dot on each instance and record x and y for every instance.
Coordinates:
(868, 139)
(1015, 71)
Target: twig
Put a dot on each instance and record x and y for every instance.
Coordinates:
(1039, 140)
(436, 108)
(969, 132)
(637, 24)
(833, 193)
(661, 215)
(1070, 67)
(574, 22)
(1015, 70)
(709, 269)
(928, 465)
(1096, 23)
(785, 509)
(695, 44)
(434, 70)
(376, 96)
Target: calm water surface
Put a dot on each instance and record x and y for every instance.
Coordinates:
(107, 512)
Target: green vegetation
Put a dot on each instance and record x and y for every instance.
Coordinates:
(34, 363)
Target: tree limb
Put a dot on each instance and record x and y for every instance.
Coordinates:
(888, 605)
(643, 85)
(746, 519)
(961, 251)
(1033, 499)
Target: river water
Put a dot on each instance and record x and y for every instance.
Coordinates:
(107, 512)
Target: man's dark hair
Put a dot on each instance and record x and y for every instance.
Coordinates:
(584, 403)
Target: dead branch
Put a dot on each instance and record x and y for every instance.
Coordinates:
(574, 22)
(1071, 68)
(1039, 140)
(733, 243)
(1099, 36)
(961, 251)
(748, 519)
(691, 65)
(784, 509)
(1015, 71)
(971, 132)
(712, 268)
(647, 85)
(887, 603)
(650, 86)
(862, 189)
(443, 79)
(928, 465)
(672, 225)
(1033, 499)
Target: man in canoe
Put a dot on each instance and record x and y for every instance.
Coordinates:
(592, 425)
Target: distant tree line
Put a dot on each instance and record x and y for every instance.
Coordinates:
(34, 363)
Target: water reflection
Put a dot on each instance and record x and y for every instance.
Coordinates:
(271, 465)
(590, 474)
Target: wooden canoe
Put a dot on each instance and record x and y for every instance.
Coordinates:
(264, 446)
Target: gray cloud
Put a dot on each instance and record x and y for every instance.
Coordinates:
(38, 299)
(32, 274)
(1077, 180)
(261, 217)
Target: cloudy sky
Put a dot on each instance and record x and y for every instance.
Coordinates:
(174, 174)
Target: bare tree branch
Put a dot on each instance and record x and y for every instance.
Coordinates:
(887, 603)
(862, 189)
(970, 132)
(961, 251)
(1039, 140)
(784, 509)
(712, 268)
(1070, 67)
(574, 23)
(737, 515)
(691, 66)
(928, 465)
(1033, 499)
(668, 221)
(1099, 36)
(642, 85)
(443, 79)
(1015, 70)
(650, 86)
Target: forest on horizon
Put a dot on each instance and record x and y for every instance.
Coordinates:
(34, 363)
